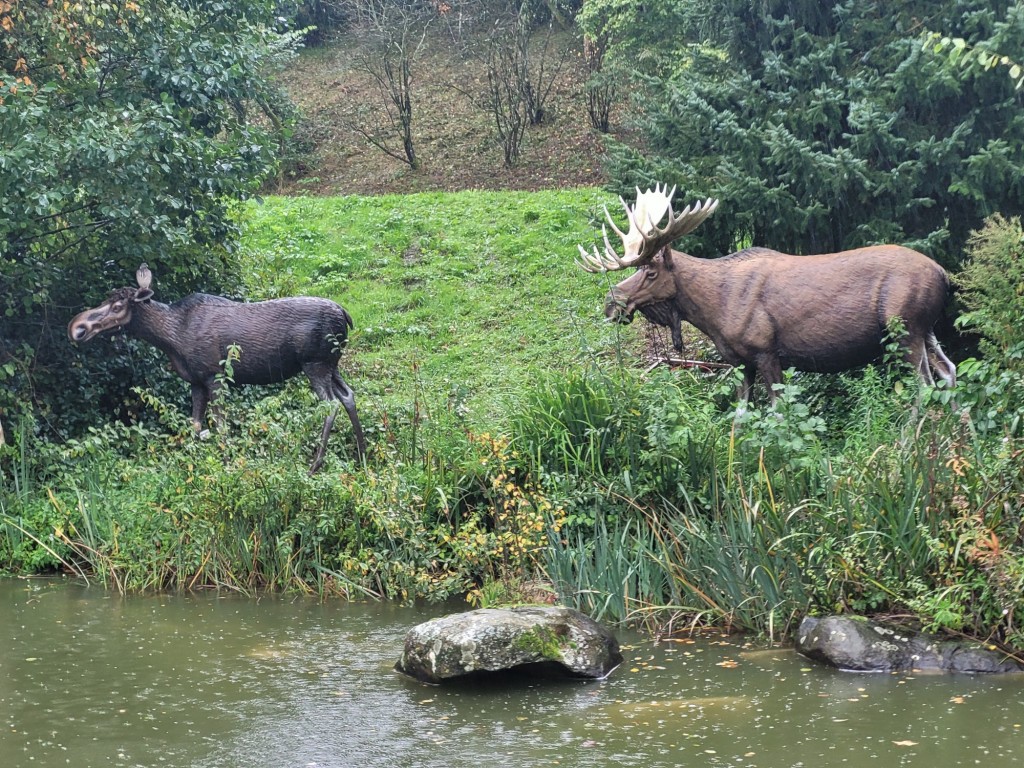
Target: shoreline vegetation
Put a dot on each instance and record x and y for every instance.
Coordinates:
(521, 448)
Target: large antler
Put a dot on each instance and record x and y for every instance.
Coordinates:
(645, 239)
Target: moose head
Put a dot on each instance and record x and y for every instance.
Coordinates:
(115, 312)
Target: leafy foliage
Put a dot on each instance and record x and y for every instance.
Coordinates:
(991, 286)
(127, 130)
(1007, 35)
(991, 289)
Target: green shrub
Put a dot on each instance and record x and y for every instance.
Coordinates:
(991, 288)
(991, 389)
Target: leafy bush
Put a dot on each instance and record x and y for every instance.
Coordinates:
(991, 287)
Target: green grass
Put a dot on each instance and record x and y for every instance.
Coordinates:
(460, 299)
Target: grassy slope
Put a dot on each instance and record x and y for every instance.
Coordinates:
(462, 296)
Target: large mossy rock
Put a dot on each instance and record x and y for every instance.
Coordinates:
(539, 639)
(861, 645)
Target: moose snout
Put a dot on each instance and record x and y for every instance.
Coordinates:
(80, 329)
(617, 309)
(77, 332)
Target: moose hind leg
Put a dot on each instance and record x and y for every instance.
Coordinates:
(328, 385)
(942, 364)
(347, 396)
(318, 457)
(917, 357)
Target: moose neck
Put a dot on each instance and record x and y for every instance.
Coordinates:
(699, 289)
(156, 323)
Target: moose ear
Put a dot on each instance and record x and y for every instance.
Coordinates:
(144, 278)
(141, 295)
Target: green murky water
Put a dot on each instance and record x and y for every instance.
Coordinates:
(91, 679)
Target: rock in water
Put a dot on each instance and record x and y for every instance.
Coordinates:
(539, 638)
(861, 645)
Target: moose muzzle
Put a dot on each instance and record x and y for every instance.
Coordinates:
(617, 307)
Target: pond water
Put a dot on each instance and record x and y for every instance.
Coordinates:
(88, 678)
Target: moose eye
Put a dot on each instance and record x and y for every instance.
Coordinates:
(117, 306)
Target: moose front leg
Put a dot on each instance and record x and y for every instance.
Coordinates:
(770, 368)
(203, 394)
(677, 336)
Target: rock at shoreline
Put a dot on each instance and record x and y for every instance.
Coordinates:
(539, 639)
(860, 645)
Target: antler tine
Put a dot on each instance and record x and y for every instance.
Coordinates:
(693, 214)
(593, 262)
(586, 264)
(612, 256)
(611, 221)
(685, 222)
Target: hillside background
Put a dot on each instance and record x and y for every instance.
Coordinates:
(454, 134)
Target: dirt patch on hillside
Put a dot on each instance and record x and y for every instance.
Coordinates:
(454, 135)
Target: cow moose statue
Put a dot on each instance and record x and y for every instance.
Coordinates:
(277, 340)
(767, 310)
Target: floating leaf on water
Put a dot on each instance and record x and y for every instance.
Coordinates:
(905, 743)
(957, 700)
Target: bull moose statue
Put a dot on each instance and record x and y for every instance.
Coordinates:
(278, 339)
(767, 310)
